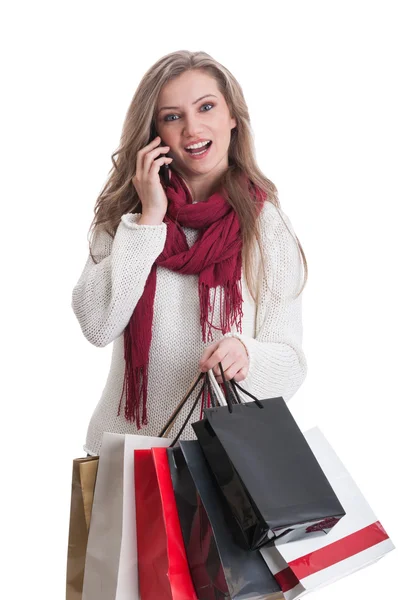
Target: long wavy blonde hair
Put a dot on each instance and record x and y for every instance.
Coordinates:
(119, 196)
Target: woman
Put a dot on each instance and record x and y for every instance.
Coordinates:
(193, 269)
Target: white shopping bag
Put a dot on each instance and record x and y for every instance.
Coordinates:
(356, 541)
(111, 571)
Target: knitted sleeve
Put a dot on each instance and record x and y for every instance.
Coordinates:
(277, 364)
(106, 293)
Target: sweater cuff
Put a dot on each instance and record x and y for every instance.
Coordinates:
(130, 220)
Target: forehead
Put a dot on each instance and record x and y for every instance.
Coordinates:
(186, 88)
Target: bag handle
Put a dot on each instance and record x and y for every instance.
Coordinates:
(206, 387)
(166, 429)
(233, 395)
(190, 413)
(235, 385)
(216, 388)
(210, 385)
(216, 398)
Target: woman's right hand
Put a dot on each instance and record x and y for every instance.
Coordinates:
(147, 182)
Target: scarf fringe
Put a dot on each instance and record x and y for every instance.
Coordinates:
(231, 309)
(135, 383)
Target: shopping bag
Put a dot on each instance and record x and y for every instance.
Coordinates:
(266, 470)
(111, 571)
(356, 541)
(111, 559)
(84, 471)
(162, 564)
(219, 567)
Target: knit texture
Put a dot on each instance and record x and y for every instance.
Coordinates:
(106, 294)
(217, 260)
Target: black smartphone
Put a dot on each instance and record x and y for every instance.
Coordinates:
(164, 170)
(164, 174)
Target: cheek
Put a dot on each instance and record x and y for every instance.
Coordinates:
(223, 136)
(170, 139)
(164, 132)
(221, 124)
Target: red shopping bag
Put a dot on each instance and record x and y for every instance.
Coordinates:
(163, 570)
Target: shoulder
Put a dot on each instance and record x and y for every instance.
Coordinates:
(280, 244)
(275, 223)
(101, 242)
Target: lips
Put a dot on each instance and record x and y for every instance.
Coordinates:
(205, 147)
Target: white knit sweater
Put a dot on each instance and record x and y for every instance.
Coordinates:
(105, 296)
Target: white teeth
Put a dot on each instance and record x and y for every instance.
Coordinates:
(197, 145)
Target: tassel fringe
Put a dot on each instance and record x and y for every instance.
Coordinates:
(135, 384)
(231, 309)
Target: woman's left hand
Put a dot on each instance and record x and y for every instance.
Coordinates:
(232, 355)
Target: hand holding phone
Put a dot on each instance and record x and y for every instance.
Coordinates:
(148, 183)
(164, 170)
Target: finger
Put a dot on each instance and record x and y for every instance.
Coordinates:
(236, 373)
(150, 157)
(146, 155)
(226, 363)
(234, 369)
(152, 144)
(206, 355)
(217, 356)
(241, 374)
(156, 164)
(143, 151)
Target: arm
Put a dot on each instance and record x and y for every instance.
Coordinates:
(277, 364)
(106, 293)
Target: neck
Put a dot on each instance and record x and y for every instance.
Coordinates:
(201, 187)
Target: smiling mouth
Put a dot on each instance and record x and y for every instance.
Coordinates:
(198, 151)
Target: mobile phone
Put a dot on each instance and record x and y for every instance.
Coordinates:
(164, 170)
(164, 174)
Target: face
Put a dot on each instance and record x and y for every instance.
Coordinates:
(198, 112)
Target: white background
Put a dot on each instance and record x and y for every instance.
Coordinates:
(320, 81)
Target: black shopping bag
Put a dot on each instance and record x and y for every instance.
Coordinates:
(266, 470)
(219, 567)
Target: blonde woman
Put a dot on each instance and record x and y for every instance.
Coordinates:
(192, 261)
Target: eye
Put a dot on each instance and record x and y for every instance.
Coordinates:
(173, 115)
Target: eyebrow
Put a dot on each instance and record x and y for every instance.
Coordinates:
(176, 107)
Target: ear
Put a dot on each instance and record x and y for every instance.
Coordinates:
(233, 123)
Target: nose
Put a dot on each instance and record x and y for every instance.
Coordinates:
(193, 127)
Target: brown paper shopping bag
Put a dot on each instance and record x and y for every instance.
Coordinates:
(84, 473)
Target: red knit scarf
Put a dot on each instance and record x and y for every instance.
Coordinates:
(215, 257)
